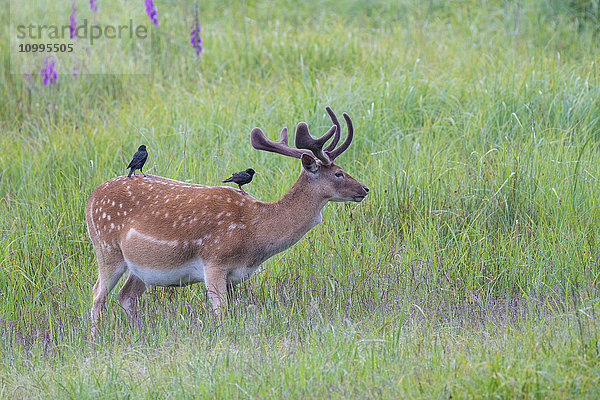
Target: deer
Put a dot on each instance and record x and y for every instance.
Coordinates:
(165, 232)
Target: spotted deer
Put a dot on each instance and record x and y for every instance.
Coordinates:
(170, 233)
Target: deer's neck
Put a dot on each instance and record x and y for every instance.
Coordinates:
(292, 216)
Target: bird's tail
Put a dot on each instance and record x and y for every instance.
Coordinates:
(130, 172)
(228, 180)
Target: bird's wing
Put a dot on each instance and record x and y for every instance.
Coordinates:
(243, 176)
(138, 158)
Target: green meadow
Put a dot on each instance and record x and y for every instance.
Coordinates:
(471, 270)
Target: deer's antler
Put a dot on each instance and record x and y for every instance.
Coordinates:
(304, 140)
(259, 141)
(330, 150)
(336, 138)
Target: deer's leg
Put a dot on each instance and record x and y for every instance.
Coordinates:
(129, 295)
(110, 269)
(99, 293)
(216, 284)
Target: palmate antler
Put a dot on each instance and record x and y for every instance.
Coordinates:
(304, 140)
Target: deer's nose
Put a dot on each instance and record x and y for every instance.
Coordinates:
(366, 189)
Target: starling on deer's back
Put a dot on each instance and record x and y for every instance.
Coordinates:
(241, 178)
(138, 160)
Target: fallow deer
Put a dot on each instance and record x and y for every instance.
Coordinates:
(171, 233)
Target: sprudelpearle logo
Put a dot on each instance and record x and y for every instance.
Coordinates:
(80, 38)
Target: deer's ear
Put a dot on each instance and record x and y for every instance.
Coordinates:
(309, 163)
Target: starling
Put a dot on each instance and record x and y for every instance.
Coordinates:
(138, 160)
(241, 178)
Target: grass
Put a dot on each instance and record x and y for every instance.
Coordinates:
(470, 271)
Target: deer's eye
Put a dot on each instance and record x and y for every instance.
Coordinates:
(339, 174)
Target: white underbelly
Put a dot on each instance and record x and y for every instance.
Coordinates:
(240, 274)
(188, 273)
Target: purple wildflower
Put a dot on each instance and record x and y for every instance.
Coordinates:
(151, 11)
(48, 73)
(72, 21)
(195, 40)
(94, 6)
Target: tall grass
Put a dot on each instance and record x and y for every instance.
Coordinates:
(471, 270)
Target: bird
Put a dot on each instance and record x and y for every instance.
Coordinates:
(138, 160)
(241, 178)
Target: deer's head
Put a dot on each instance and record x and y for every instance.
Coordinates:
(324, 177)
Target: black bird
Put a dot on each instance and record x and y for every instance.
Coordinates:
(138, 160)
(241, 178)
